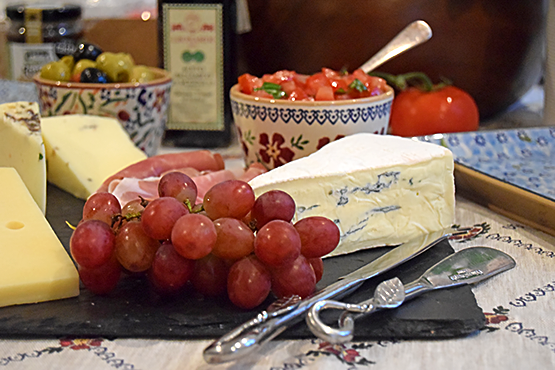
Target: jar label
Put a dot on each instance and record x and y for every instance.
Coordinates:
(193, 53)
(33, 25)
(27, 59)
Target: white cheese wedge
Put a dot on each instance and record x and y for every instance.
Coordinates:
(379, 190)
(21, 146)
(34, 266)
(82, 151)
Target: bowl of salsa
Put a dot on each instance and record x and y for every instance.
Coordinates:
(284, 116)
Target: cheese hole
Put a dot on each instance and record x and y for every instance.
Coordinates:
(15, 225)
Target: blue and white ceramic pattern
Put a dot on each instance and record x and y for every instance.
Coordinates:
(521, 157)
(275, 132)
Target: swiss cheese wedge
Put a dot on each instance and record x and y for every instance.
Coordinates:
(82, 151)
(34, 266)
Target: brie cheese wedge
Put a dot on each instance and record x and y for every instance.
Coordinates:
(379, 189)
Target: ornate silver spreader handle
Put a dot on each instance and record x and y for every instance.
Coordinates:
(468, 266)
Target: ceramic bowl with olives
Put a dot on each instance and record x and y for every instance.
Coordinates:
(95, 82)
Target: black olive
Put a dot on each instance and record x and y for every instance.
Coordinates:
(94, 75)
(86, 51)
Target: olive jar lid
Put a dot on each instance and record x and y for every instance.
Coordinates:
(50, 13)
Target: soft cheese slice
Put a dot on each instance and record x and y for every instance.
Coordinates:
(380, 190)
(34, 266)
(21, 146)
(82, 151)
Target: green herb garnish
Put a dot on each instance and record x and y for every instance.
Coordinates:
(357, 85)
(272, 89)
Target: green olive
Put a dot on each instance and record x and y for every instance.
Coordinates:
(141, 74)
(68, 59)
(55, 71)
(80, 66)
(117, 66)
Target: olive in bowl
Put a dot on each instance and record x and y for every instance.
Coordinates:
(93, 75)
(86, 51)
(118, 67)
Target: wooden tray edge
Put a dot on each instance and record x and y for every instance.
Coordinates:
(506, 199)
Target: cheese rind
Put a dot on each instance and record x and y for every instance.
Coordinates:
(22, 148)
(380, 190)
(34, 266)
(82, 151)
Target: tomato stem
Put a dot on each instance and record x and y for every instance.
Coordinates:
(416, 79)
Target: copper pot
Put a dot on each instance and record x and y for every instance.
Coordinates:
(494, 49)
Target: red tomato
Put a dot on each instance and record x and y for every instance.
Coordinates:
(279, 77)
(324, 93)
(248, 83)
(315, 82)
(449, 109)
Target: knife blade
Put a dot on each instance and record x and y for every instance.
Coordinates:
(251, 335)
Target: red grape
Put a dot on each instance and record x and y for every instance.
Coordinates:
(210, 276)
(319, 236)
(101, 206)
(318, 267)
(272, 205)
(92, 243)
(277, 243)
(133, 208)
(231, 198)
(179, 186)
(102, 279)
(170, 271)
(134, 249)
(193, 236)
(235, 240)
(295, 279)
(160, 215)
(248, 282)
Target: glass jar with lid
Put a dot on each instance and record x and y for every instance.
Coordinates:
(39, 34)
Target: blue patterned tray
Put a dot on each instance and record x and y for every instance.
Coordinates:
(521, 157)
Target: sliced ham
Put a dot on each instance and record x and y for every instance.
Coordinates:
(201, 160)
(206, 181)
(204, 167)
(250, 173)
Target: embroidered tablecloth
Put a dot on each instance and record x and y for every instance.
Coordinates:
(520, 333)
(519, 305)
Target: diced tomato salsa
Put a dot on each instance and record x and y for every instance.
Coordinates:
(325, 85)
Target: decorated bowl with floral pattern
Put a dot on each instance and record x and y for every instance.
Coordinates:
(141, 108)
(274, 132)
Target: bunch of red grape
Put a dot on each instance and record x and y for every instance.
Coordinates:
(231, 243)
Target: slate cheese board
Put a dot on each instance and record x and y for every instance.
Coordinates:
(133, 311)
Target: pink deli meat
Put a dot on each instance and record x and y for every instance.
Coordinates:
(201, 160)
(127, 184)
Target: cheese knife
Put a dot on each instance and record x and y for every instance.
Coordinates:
(251, 335)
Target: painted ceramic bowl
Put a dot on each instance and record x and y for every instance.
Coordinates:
(141, 108)
(274, 132)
